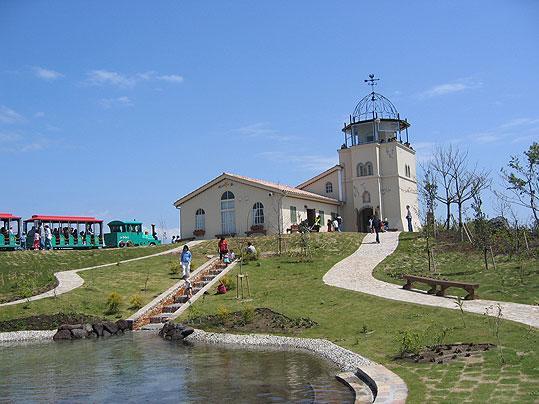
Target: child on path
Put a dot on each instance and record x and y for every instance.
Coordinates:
(377, 226)
(185, 260)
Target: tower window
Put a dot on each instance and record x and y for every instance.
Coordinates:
(360, 168)
(368, 168)
(407, 171)
(329, 187)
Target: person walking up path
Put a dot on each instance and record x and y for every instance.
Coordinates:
(355, 273)
(185, 259)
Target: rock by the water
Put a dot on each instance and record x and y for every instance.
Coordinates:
(110, 327)
(79, 333)
(62, 334)
(175, 332)
(123, 325)
(98, 329)
(89, 329)
(106, 333)
(69, 326)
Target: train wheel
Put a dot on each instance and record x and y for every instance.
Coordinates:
(121, 244)
(152, 244)
(130, 244)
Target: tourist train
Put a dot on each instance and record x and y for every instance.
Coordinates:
(72, 232)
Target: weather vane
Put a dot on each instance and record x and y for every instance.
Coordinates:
(372, 81)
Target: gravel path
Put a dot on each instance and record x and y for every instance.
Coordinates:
(355, 273)
(69, 280)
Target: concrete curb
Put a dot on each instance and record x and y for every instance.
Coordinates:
(386, 386)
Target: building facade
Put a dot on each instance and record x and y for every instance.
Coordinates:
(376, 175)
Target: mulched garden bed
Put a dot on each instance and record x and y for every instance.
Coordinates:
(46, 322)
(448, 352)
(257, 320)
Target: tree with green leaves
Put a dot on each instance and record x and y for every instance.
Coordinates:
(428, 189)
(522, 181)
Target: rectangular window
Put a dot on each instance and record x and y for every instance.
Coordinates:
(321, 213)
(293, 215)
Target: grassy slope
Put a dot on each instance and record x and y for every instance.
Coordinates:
(507, 283)
(37, 268)
(296, 290)
(90, 298)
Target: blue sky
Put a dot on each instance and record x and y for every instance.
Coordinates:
(116, 109)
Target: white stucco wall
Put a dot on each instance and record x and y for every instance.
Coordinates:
(245, 197)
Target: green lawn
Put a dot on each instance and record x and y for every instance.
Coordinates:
(293, 287)
(90, 299)
(32, 272)
(513, 280)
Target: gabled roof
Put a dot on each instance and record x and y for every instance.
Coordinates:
(319, 176)
(270, 186)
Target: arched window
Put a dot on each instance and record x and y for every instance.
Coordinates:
(329, 187)
(258, 213)
(360, 170)
(228, 213)
(200, 219)
(368, 168)
(366, 197)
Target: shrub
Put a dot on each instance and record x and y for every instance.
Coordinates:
(410, 342)
(228, 282)
(223, 313)
(135, 301)
(175, 267)
(113, 303)
(248, 314)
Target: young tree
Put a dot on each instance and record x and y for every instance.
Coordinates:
(440, 167)
(522, 180)
(428, 191)
(483, 229)
(466, 182)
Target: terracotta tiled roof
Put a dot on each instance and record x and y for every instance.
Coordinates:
(292, 191)
(287, 188)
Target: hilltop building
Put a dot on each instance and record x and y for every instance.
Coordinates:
(376, 175)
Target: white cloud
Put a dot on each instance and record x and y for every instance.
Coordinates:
(46, 74)
(306, 162)
(424, 151)
(8, 115)
(171, 78)
(16, 142)
(261, 130)
(520, 122)
(115, 102)
(486, 137)
(450, 88)
(39, 114)
(107, 77)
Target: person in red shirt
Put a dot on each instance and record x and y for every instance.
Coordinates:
(223, 248)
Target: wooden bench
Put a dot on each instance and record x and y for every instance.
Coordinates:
(293, 229)
(444, 285)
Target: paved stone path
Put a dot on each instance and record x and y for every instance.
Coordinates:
(69, 280)
(355, 273)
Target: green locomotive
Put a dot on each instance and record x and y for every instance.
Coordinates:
(130, 233)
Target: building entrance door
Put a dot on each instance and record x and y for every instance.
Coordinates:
(363, 217)
(311, 217)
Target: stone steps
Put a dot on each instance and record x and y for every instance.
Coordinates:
(171, 308)
(179, 300)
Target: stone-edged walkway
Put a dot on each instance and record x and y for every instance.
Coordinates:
(69, 280)
(355, 273)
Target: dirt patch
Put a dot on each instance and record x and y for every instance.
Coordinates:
(46, 322)
(256, 320)
(448, 353)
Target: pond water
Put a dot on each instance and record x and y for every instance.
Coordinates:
(140, 367)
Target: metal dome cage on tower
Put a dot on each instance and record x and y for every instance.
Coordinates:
(375, 120)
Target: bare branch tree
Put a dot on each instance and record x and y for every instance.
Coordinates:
(466, 182)
(440, 167)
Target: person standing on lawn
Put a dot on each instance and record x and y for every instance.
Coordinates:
(223, 248)
(185, 260)
(409, 218)
(36, 240)
(48, 238)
